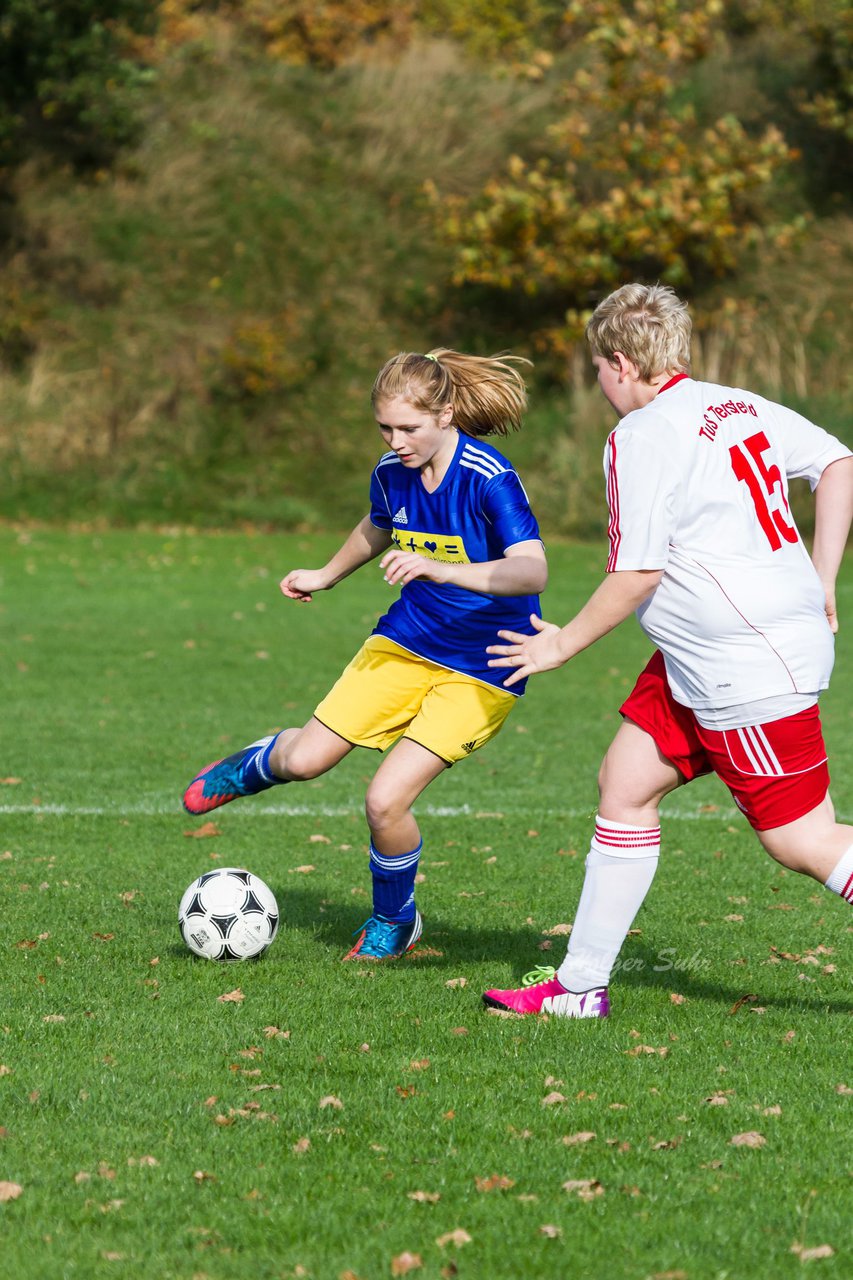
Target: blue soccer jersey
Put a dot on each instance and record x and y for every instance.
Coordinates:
(477, 512)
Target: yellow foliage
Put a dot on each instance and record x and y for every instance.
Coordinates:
(262, 357)
(631, 184)
(317, 34)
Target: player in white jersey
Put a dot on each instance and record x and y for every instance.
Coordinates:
(705, 551)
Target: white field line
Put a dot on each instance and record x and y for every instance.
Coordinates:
(530, 812)
(329, 811)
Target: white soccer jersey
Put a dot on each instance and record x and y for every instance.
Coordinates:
(697, 485)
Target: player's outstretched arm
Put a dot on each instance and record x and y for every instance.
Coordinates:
(833, 516)
(615, 600)
(364, 543)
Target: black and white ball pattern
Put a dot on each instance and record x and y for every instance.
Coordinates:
(228, 914)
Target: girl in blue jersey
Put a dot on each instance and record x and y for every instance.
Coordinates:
(452, 523)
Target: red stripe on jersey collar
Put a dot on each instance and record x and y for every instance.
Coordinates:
(679, 377)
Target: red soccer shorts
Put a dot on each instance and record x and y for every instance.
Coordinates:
(776, 772)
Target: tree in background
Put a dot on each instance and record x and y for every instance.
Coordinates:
(329, 33)
(69, 82)
(629, 183)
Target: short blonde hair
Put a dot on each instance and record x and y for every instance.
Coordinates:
(487, 393)
(648, 323)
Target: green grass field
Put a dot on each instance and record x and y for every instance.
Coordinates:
(354, 1122)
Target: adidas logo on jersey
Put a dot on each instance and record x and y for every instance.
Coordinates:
(401, 517)
(468, 746)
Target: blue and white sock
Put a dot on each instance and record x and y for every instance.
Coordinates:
(394, 884)
(257, 771)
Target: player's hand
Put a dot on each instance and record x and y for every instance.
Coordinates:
(528, 654)
(300, 584)
(831, 611)
(400, 567)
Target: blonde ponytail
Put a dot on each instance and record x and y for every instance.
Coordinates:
(487, 393)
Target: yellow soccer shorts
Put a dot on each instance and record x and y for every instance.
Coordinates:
(387, 692)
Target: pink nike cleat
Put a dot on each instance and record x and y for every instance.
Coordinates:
(542, 992)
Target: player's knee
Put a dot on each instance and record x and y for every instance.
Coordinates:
(612, 783)
(382, 806)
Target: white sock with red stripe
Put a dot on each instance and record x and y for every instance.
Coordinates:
(620, 867)
(841, 879)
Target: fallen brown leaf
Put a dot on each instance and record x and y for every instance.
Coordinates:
(747, 999)
(584, 1188)
(10, 1191)
(404, 1263)
(425, 1197)
(496, 1182)
(809, 1255)
(231, 997)
(330, 1101)
(550, 1231)
(751, 1139)
(204, 832)
(572, 1139)
(458, 1237)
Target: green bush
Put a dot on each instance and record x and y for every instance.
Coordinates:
(69, 83)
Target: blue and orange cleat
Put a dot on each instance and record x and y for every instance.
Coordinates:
(542, 992)
(381, 939)
(225, 780)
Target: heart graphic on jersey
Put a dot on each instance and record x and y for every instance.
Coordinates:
(431, 546)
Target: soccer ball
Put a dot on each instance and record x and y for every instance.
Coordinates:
(228, 914)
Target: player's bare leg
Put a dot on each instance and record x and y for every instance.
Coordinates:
(815, 845)
(634, 778)
(300, 754)
(395, 847)
(404, 774)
